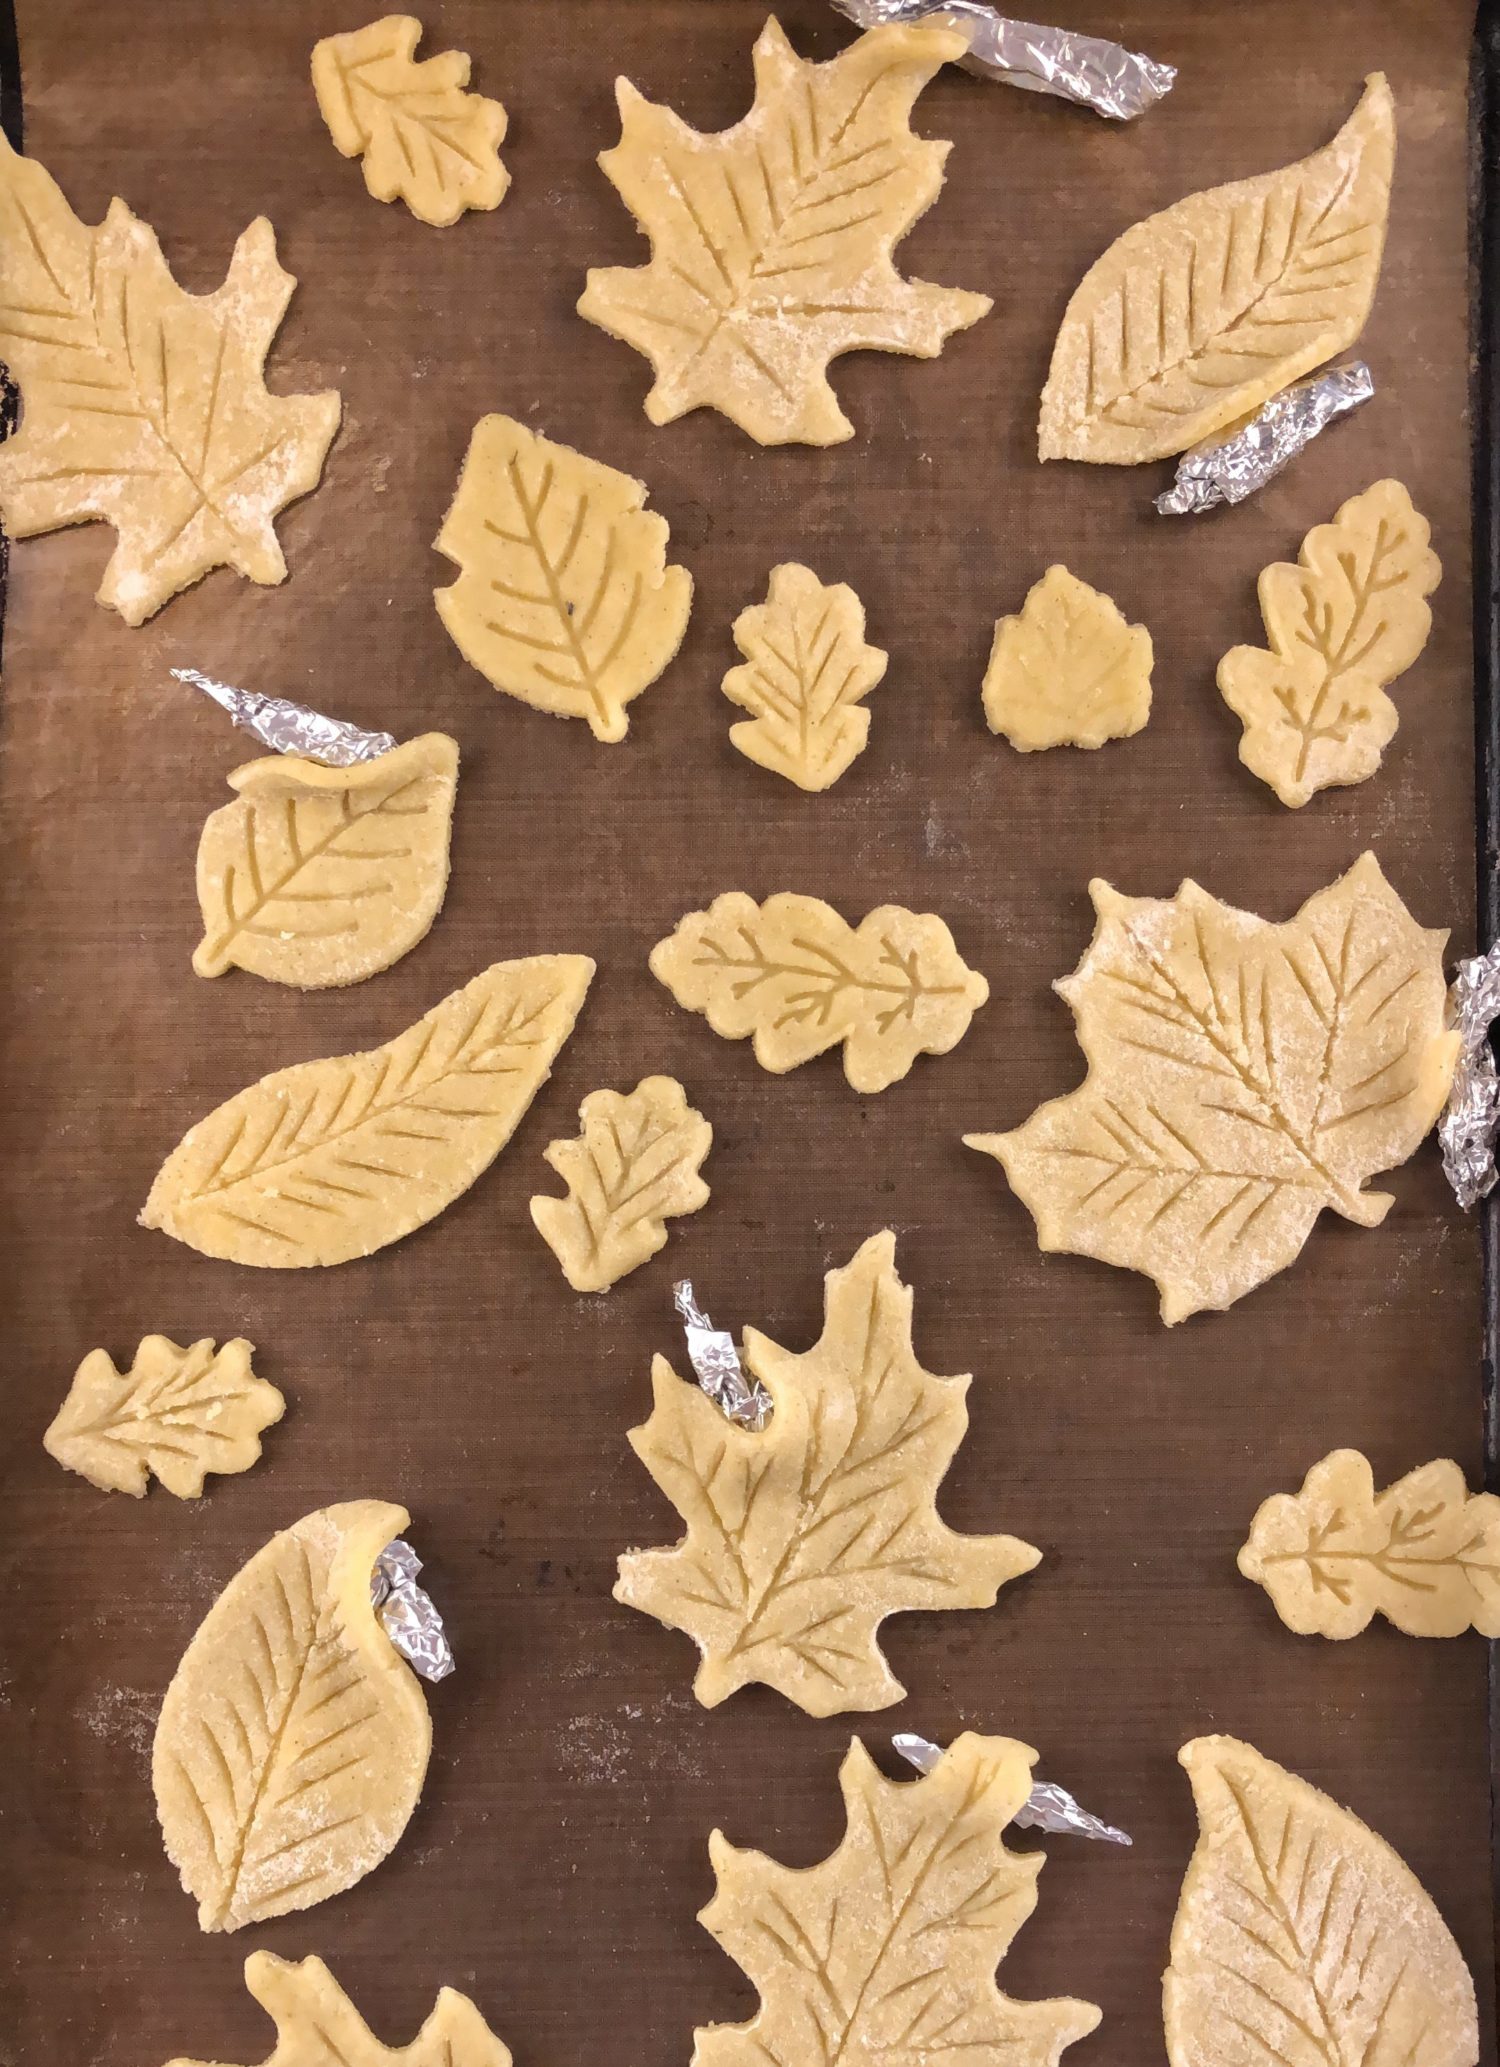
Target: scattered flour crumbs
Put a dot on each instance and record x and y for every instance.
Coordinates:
(122, 1715)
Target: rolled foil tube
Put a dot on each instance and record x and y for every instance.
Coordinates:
(406, 1612)
(289, 728)
(717, 1363)
(1472, 1115)
(1227, 469)
(1048, 1807)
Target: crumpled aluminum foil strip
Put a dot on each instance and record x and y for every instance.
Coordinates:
(1228, 468)
(406, 1612)
(290, 728)
(1087, 70)
(1471, 1117)
(717, 1363)
(1049, 1806)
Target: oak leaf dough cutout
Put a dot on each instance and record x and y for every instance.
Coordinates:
(634, 1167)
(804, 1535)
(319, 876)
(423, 140)
(890, 1944)
(564, 599)
(318, 2026)
(1069, 671)
(176, 1413)
(330, 1160)
(1301, 1936)
(144, 406)
(771, 242)
(1243, 1076)
(1425, 1552)
(1196, 316)
(792, 974)
(293, 1740)
(1343, 622)
(807, 671)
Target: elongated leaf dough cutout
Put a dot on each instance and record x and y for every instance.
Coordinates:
(1069, 671)
(1197, 315)
(330, 1160)
(634, 1167)
(293, 1740)
(319, 876)
(807, 671)
(176, 1413)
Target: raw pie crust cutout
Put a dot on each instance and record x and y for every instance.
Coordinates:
(1301, 1936)
(1196, 316)
(771, 242)
(144, 406)
(333, 1159)
(318, 2026)
(1069, 671)
(804, 1535)
(1349, 617)
(422, 138)
(898, 1932)
(1243, 1076)
(634, 1167)
(794, 976)
(293, 1740)
(565, 598)
(1425, 1552)
(176, 1413)
(807, 671)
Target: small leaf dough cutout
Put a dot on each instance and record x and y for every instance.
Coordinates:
(803, 1536)
(334, 1159)
(320, 876)
(634, 1167)
(423, 139)
(1242, 1077)
(144, 406)
(1069, 671)
(791, 973)
(887, 1948)
(807, 670)
(293, 1740)
(1425, 1553)
(176, 1412)
(1197, 315)
(565, 599)
(1341, 624)
(1301, 1938)
(318, 2026)
(771, 242)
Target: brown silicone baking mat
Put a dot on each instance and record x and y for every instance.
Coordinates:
(559, 1853)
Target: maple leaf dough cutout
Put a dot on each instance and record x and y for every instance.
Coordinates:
(1242, 1077)
(565, 598)
(142, 405)
(1301, 1936)
(330, 1160)
(1196, 316)
(1348, 618)
(318, 2026)
(1069, 671)
(634, 1166)
(804, 1535)
(177, 1413)
(1425, 1553)
(293, 1740)
(807, 671)
(890, 1945)
(792, 974)
(423, 140)
(771, 242)
(317, 876)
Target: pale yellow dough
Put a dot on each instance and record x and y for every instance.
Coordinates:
(1069, 671)
(319, 876)
(177, 1413)
(422, 138)
(804, 1535)
(634, 1167)
(293, 1740)
(1425, 1553)
(807, 670)
(1301, 1937)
